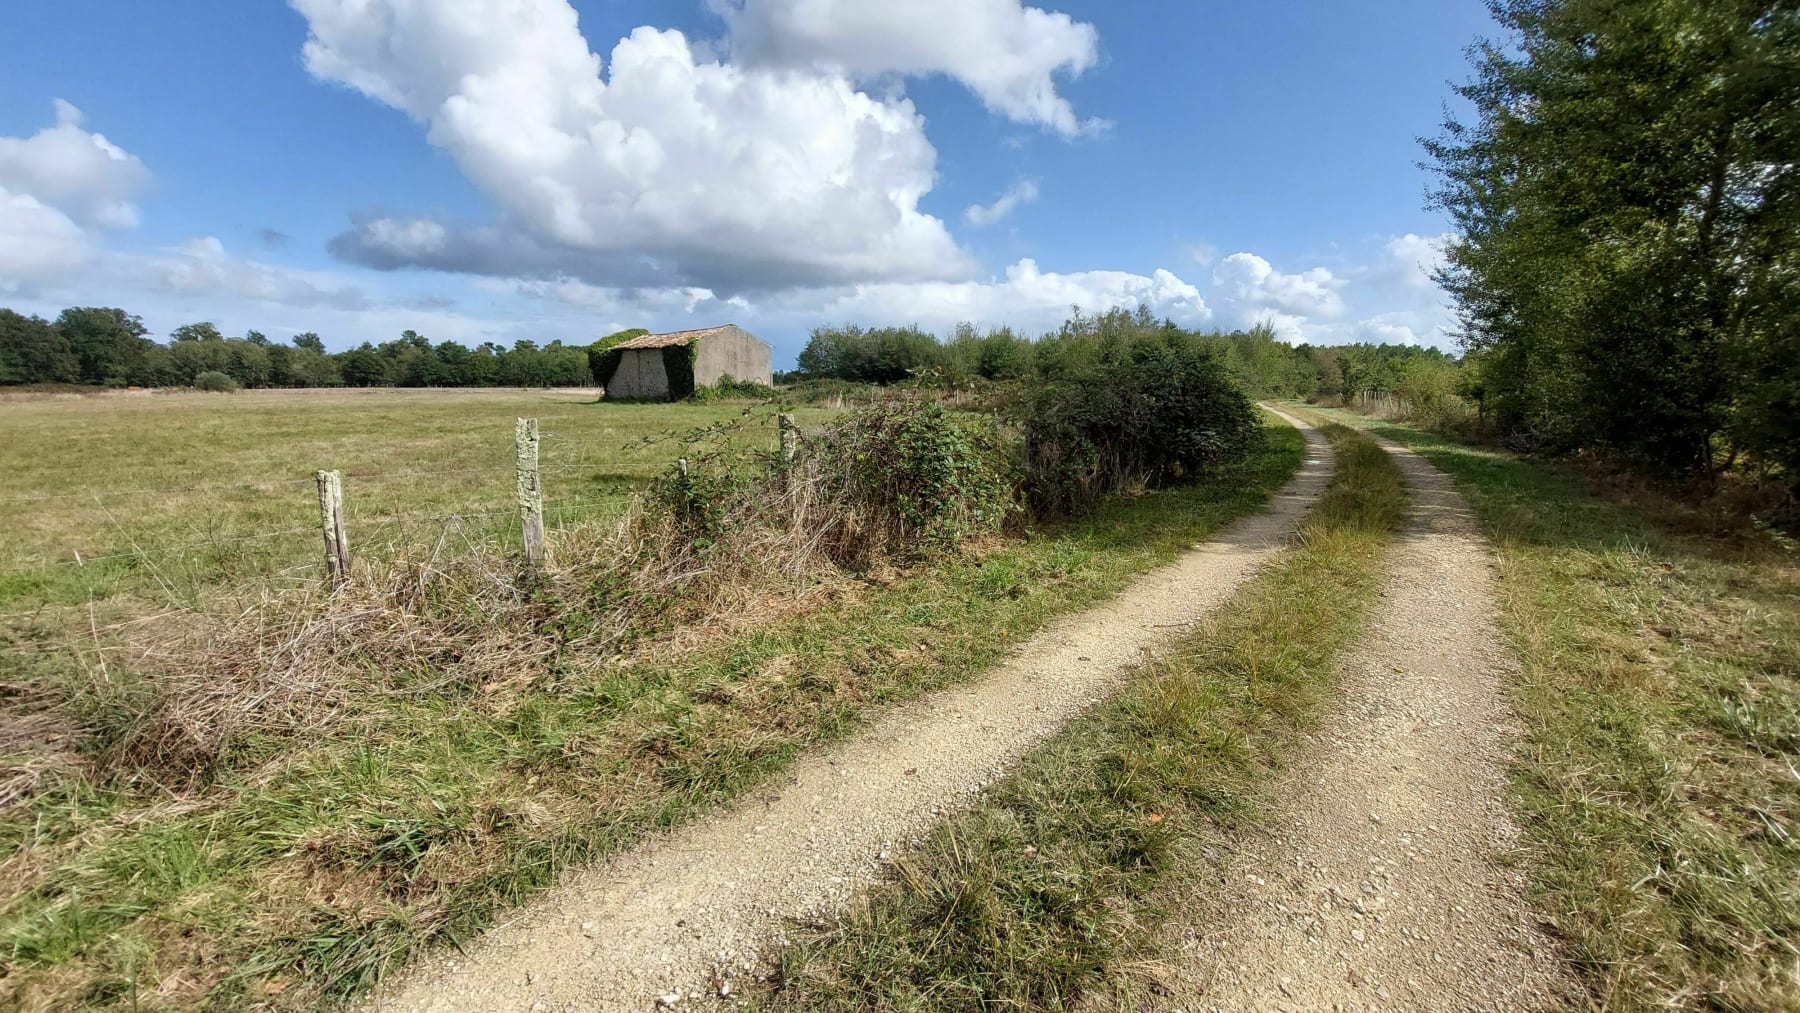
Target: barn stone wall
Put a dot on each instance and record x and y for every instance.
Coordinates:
(732, 350)
(640, 376)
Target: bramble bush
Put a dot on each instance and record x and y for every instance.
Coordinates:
(1140, 412)
(907, 474)
(697, 500)
(898, 479)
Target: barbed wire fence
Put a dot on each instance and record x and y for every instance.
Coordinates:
(339, 531)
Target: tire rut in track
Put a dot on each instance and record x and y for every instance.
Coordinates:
(676, 913)
(1386, 883)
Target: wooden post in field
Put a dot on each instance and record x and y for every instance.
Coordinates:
(790, 438)
(331, 522)
(530, 491)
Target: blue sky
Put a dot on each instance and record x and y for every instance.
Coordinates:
(504, 169)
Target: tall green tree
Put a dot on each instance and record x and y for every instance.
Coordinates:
(107, 342)
(32, 350)
(205, 330)
(362, 367)
(1625, 199)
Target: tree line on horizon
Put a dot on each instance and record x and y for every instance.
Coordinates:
(1263, 364)
(108, 347)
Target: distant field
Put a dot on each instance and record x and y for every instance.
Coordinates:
(155, 495)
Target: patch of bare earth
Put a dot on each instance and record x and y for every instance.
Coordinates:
(1386, 884)
(685, 918)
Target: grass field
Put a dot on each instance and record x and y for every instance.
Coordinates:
(301, 869)
(1661, 690)
(157, 495)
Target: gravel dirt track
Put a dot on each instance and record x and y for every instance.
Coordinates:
(1385, 884)
(677, 915)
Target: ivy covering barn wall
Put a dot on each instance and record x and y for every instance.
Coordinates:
(678, 364)
(604, 355)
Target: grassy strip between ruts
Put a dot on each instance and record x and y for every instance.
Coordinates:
(1052, 887)
(1661, 689)
(301, 884)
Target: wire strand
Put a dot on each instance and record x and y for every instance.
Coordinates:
(165, 551)
(365, 476)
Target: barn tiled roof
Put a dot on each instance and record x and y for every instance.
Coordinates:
(671, 338)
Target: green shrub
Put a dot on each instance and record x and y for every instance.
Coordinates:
(1128, 413)
(907, 475)
(213, 380)
(896, 480)
(730, 387)
(833, 393)
(700, 498)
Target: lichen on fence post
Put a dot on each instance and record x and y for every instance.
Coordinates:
(331, 522)
(529, 491)
(790, 438)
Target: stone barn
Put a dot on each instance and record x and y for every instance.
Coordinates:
(667, 367)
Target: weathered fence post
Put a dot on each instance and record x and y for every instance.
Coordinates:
(790, 438)
(331, 522)
(529, 489)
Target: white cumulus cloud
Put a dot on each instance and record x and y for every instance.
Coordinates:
(203, 266)
(657, 166)
(81, 174)
(1254, 284)
(1025, 297)
(1022, 192)
(55, 187)
(1383, 294)
(1008, 54)
(37, 242)
(1417, 258)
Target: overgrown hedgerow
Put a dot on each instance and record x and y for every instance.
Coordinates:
(897, 480)
(1144, 411)
(910, 475)
(893, 480)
